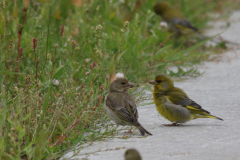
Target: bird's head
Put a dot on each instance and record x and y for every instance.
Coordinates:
(120, 85)
(161, 7)
(162, 83)
(132, 154)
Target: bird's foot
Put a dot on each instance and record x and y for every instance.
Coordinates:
(188, 44)
(130, 131)
(174, 124)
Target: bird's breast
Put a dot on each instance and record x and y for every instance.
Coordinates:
(173, 113)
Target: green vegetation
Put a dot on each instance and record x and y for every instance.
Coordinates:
(81, 45)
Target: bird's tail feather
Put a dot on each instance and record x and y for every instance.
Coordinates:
(211, 116)
(205, 115)
(142, 130)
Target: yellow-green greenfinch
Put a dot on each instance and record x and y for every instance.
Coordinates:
(177, 22)
(174, 104)
(120, 106)
(132, 154)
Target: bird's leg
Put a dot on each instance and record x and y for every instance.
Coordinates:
(174, 124)
(130, 131)
(188, 43)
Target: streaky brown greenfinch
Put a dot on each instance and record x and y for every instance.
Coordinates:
(177, 22)
(132, 154)
(120, 106)
(174, 104)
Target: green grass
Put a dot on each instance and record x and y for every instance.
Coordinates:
(39, 120)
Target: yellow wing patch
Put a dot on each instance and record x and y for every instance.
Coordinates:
(190, 107)
(184, 30)
(211, 117)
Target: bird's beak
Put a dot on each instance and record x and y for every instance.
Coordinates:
(152, 82)
(130, 85)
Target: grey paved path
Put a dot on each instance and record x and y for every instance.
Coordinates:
(218, 91)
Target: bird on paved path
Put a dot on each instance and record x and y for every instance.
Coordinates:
(120, 106)
(178, 23)
(174, 104)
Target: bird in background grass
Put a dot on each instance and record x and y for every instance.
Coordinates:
(174, 104)
(120, 106)
(177, 22)
(132, 154)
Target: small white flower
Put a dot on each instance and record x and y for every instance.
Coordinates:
(99, 27)
(15, 89)
(87, 60)
(77, 88)
(55, 82)
(119, 75)
(87, 73)
(164, 24)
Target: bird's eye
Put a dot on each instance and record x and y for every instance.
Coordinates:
(123, 83)
(159, 81)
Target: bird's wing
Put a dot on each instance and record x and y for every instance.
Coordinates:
(183, 24)
(179, 97)
(178, 21)
(123, 106)
(131, 103)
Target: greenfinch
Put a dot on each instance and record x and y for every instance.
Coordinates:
(132, 154)
(120, 106)
(177, 22)
(174, 104)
